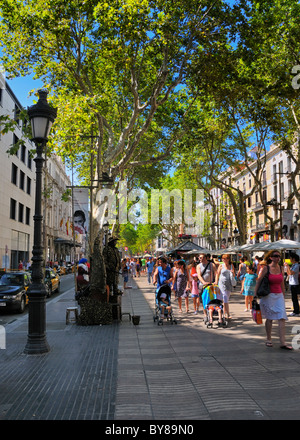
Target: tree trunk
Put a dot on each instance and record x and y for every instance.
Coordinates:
(96, 309)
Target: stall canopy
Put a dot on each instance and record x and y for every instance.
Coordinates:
(285, 245)
(188, 246)
(264, 246)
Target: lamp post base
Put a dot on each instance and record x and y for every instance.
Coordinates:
(36, 340)
(36, 346)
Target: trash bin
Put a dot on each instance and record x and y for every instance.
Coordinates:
(135, 319)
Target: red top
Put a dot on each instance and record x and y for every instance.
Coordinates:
(275, 282)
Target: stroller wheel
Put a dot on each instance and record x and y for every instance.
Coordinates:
(209, 325)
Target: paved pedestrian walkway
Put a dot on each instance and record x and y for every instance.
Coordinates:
(189, 372)
(149, 371)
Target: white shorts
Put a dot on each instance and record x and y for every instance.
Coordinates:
(225, 296)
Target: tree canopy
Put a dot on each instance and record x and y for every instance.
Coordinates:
(146, 86)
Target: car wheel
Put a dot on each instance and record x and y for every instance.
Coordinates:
(22, 304)
(58, 288)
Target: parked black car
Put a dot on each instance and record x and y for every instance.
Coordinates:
(13, 287)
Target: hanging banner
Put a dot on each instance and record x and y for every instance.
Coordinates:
(287, 218)
(81, 210)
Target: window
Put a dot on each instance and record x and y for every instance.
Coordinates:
(28, 185)
(264, 196)
(257, 219)
(23, 153)
(29, 160)
(274, 176)
(15, 140)
(249, 202)
(13, 205)
(14, 174)
(281, 191)
(22, 180)
(17, 114)
(21, 213)
(27, 220)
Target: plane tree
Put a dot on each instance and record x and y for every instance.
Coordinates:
(116, 71)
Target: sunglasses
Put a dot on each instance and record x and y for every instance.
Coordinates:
(275, 256)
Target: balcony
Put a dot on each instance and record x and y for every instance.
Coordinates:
(260, 227)
(257, 206)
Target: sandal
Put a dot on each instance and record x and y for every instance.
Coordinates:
(286, 347)
(269, 344)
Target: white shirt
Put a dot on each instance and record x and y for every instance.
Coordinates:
(293, 278)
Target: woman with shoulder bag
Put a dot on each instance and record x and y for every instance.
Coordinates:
(273, 306)
(225, 279)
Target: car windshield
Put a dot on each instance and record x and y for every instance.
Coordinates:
(11, 280)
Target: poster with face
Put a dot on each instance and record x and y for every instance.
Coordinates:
(81, 210)
(287, 218)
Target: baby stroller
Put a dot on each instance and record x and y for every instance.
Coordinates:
(163, 308)
(213, 306)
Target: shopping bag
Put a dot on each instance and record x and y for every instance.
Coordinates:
(256, 312)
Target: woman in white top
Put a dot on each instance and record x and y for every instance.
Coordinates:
(293, 273)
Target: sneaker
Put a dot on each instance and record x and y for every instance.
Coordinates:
(294, 314)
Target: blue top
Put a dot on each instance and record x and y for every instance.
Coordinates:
(249, 284)
(150, 266)
(163, 275)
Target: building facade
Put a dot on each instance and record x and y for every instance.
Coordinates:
(17, 196)
(59, 243)
(17, 187)
(276, 198)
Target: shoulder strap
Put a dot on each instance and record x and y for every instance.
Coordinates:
(205, 269)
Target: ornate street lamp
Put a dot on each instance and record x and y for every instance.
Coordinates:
(41, 116)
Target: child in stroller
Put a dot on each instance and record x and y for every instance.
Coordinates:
(163, 308)
(213, 305)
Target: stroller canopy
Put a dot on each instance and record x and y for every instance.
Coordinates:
(163, 289)
(210, 293)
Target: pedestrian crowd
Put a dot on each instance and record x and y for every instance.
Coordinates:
(187, 280)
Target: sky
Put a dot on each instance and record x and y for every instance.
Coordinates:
(21, 87)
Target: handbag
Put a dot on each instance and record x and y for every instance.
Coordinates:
(186, 293)
(232, 279)
(264, 287)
